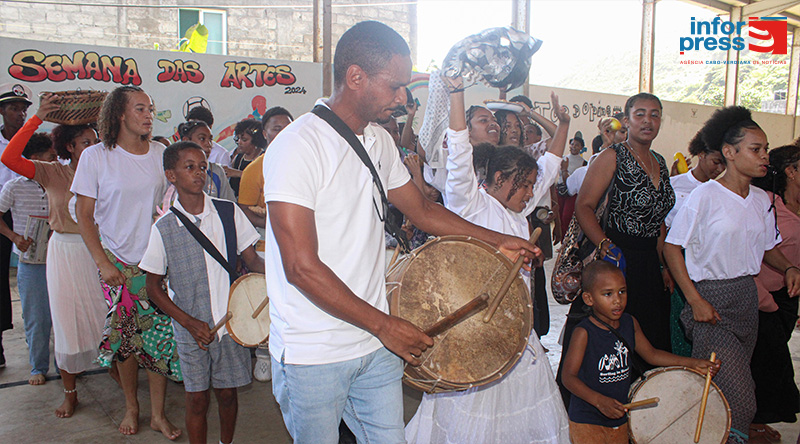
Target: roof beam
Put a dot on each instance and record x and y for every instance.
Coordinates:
(767, 7)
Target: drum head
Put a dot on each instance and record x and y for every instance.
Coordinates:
(440, 277)
(247, 293)
(674, 418)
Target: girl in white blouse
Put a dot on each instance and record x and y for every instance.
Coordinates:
(524, 406)
(727, 227)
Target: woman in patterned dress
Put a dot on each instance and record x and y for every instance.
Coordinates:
(639, 200)
(118, 184)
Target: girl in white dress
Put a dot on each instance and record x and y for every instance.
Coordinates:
(525, 405)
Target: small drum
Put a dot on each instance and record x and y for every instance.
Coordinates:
(438, 278)
(674, 418)
(247, 293)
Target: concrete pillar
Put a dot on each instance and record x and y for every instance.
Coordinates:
(521, 21)
(413, 30)
(794, 75)
(327, 50)
(647, 46)
(732, 68)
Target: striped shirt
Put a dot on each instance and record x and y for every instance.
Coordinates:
(24, 197)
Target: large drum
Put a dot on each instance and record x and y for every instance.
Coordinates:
(438, 278)
(674, 418)
(247, 293)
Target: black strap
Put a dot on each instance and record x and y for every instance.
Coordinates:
(206, 243)
(390, 225)
(637, 366)
(226, 215)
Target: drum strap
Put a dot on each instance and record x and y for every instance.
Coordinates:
(226, 215)
(391, 224)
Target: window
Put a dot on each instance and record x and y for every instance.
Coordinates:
(214, 20)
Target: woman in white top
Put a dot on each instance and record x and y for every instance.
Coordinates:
(710, 164)
(118, 184)
(524, 406)
(727, 227)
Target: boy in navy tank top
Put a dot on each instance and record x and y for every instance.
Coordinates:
(597, 368)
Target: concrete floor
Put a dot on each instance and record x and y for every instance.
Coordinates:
(27, 411)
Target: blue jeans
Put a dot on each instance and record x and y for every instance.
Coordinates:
(32, 285)
(365, 391)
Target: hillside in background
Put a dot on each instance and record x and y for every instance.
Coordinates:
(703, 84)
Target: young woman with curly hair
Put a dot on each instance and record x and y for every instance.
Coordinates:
(727, 228)
(118, 184)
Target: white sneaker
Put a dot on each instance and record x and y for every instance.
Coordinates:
(263, 370)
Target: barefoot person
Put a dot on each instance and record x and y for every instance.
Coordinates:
(28, 199)
(76, 300)
(118, 184)
(334, 346)
(200, 287)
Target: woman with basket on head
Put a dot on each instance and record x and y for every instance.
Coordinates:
(523, 406)
(76, 300)
(118, 184)
(728, 227)
(639, 198)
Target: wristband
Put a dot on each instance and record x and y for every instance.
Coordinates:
(789, 268)
(600, 246)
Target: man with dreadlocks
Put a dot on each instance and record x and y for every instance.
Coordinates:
(726, 229)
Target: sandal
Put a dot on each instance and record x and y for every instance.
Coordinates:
(764, 430)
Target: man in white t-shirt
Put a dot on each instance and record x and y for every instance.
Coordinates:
(334, 346)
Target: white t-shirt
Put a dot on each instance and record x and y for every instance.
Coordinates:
(574, 162)
(725, 235)
(155, 257)
(127, 188)
(575, 180)
(475, 205)
(219, 155)
(683, 184)
(310, 165)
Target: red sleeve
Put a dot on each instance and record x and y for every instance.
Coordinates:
(12, 155)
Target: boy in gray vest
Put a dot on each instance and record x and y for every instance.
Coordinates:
(200, 286)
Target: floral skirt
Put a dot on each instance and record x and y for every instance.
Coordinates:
(134, 327)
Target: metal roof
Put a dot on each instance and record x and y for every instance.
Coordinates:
(786, 8)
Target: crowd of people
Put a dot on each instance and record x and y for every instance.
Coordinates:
(149, 234)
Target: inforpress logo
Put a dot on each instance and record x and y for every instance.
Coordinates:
(724, 35)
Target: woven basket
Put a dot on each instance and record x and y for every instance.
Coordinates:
(77, 107)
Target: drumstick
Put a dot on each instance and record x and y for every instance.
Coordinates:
(703, 401)
(260, 307)
(454, 318)
(222, 322)
(642, 403)
(509, 280)
(394, 256)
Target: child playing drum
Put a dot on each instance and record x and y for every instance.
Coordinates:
(597, 368)
(200, 287)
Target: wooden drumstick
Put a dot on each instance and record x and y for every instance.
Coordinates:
(703, 401)
(260, 307)
(221, 322)
(642, 403)
(509, 279)
(395, 255)
(456, 317)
